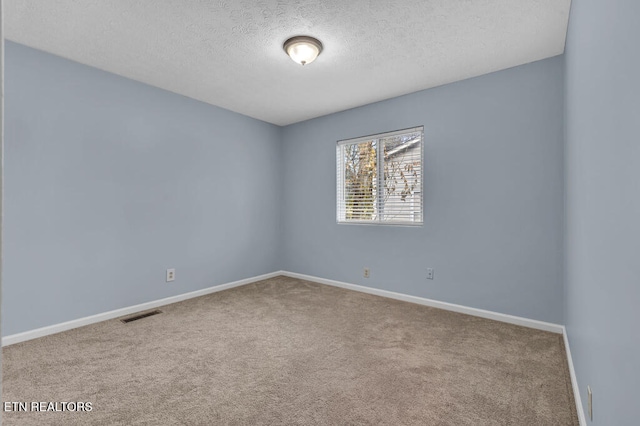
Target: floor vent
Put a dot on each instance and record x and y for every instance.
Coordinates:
(137, 317)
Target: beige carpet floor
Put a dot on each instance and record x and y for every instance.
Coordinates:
(286, 351)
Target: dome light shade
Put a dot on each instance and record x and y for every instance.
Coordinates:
(303, 49)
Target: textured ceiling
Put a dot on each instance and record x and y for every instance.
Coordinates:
(229, 52)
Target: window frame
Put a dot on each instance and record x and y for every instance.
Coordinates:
(340, 178)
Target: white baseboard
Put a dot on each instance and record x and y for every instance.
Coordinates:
(574, 380)
(57, 328)
(511, 319)
(64, 326)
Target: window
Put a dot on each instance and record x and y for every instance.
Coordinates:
(380, 178)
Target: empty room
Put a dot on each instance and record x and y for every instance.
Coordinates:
(287, 212)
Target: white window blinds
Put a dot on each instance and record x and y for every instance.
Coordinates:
(379, 178)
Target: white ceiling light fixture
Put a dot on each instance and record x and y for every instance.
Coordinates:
(208, 41)
(303, 49)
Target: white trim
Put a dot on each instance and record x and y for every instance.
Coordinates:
(392, 133)
(511, 319)
(57, 328)
(574, 380)
(540, 325)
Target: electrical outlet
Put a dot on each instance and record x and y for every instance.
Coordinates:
(171, 275)
(589, 403)
(429, 273)
(366, 272)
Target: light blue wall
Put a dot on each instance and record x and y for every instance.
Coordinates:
(109, 182)
(603, 205)
(493, 195)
